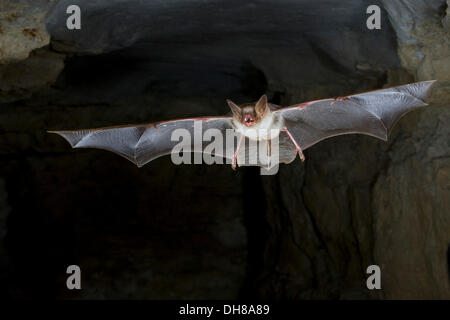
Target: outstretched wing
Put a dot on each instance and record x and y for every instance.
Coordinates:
(372, 113)
(143, 143)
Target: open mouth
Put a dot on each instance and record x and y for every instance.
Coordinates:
(248, 121)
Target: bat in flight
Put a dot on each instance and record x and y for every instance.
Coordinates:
(295, 128)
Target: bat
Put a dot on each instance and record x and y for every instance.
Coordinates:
(282, 131)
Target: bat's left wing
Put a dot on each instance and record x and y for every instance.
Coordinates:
(372, 113)
(145, 142)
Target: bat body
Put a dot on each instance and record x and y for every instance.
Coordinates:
(293, 128)
(255, 125)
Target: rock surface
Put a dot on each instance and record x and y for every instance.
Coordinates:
(165, 231)
(22, 28)
(419, 212)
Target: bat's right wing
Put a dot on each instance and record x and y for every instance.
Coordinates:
(143, 143)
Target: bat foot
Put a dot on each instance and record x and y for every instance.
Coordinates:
(235, 157)
(297, 147)
(301, 155)
(234, 163)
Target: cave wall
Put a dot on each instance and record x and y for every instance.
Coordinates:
(366, 203)
(166, 231)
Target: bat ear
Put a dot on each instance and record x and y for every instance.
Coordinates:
(261, 105)
(235, 109)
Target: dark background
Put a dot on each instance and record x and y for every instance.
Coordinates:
(206, 232)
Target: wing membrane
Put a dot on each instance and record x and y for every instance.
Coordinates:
(143, 143)
(372, 113)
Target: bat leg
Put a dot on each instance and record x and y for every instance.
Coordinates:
(235, 157)
(269, 152)
(297, 147)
